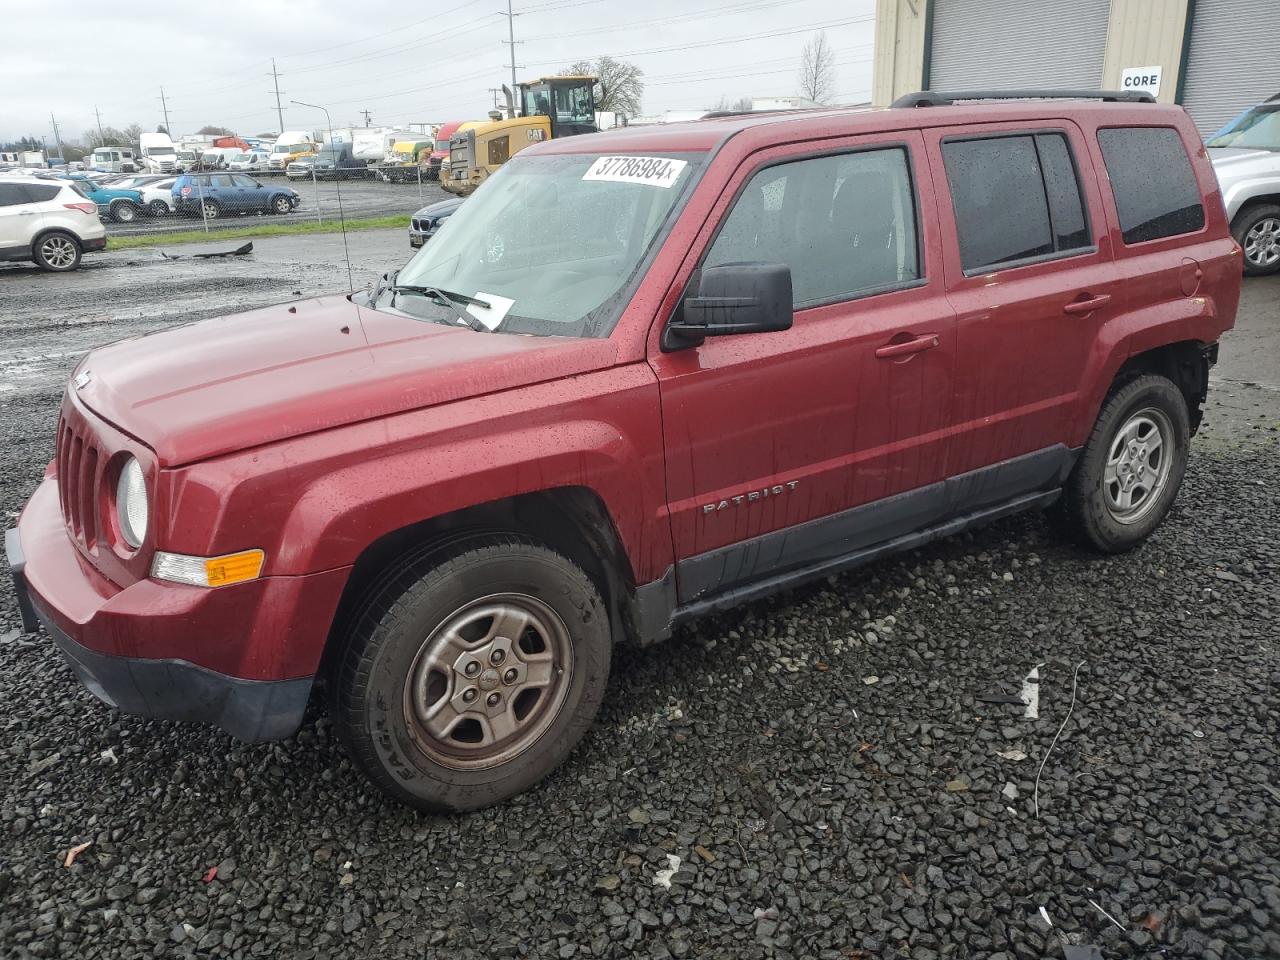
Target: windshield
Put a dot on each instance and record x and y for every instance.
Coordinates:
(443, 145)
(552, 243)
(160, 151)
(1258, 129)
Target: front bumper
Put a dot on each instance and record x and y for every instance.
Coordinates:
(135, 648)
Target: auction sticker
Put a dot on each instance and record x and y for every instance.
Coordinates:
(654, 171)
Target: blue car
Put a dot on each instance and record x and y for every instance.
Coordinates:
(122, 206)
(224, 194)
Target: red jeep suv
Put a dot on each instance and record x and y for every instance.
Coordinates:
(642, 376)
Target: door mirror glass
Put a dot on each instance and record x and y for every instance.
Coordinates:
(749, 297)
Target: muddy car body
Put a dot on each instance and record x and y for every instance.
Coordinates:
(643, 376)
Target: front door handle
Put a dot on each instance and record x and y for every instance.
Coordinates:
(926, 341)
(1088, 305)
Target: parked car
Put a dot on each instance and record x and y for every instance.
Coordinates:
(336, 161)
(300, 169)
(213, 195)
(49, 222)
(642, 376)
(427, 222)
(292, 145)
(1246, 158)
(251, 161)
(157, 197)
(120, 204)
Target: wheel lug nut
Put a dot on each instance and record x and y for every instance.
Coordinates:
(469, 694)
(471, 669)
(494, 699)
(497, 657)
(510, 676)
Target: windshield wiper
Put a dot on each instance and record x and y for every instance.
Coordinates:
(448, 299)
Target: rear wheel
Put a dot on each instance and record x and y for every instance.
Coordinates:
(472, 672)
(1131, 467)
(58, 252)
(211, 210)
(124, 212)
(1257, 230)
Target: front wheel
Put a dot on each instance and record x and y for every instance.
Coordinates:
(281, 205)
(1131, 467)
(471, 673)
(1257, 230)
(158, 208)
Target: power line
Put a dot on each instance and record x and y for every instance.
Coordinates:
(511, 34)
(386, 33)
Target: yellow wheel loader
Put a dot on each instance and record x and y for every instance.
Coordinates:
(549, 108)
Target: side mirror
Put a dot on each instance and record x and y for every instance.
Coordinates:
(733, 298)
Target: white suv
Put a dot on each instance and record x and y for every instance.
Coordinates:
(47, 221)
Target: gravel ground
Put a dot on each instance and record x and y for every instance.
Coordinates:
(818, 775)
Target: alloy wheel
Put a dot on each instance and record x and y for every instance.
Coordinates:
(488, 681)
(58, 252)
(1138, 465)
(1262, 243)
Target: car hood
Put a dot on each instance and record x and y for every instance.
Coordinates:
(1243, 161)
(240, 381)
(441, 208)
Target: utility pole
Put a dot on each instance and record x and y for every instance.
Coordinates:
(511, 34)
(366, 116)
(101, 136)
(276, 78)
(57, 138)
(165, 106)
(495, 91)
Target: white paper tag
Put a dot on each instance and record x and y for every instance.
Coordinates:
(492, 315)
(655, 171)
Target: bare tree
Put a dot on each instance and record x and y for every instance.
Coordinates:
(817, 70)
(741, 105)
(212, 130)
(619, 88)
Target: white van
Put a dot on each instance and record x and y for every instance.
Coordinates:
(158, 153)
(113, 160)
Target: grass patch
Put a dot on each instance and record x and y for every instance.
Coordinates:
(257, 230)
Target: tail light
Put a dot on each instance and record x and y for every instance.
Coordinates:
(82, 207)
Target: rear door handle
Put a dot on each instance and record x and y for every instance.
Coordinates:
(926, 341)
(1089, 305)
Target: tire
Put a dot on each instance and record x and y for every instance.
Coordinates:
(1093, 504)
(124, 212)
(1257, 230)
(400, 669)
(158, 208)
(281, 205)
(57, 251)
(210, 210)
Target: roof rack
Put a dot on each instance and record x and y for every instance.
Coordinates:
(932, 98)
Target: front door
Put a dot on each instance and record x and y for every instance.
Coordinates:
(1030, 273)
(767, 432)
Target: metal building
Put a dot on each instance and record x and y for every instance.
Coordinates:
(1215, 57)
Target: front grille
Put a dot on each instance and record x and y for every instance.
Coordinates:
(79, 462)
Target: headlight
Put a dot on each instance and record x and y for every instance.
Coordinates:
(131, 503)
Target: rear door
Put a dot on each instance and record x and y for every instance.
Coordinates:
(1030, 273)
(785, 450)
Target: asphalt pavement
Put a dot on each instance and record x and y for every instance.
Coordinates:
(822, 774)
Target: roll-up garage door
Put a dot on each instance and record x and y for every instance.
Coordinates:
(1234, 61)
(1017, 44)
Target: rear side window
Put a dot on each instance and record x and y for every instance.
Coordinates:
(1015, 198)
(11, 194)
(1153, 183)
(844, 224)
(40, 192)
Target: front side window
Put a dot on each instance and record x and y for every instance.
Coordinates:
(844, 224)
(12, 194)
(1151, 178)
(554, 244)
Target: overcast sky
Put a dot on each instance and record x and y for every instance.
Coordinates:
(214, 59)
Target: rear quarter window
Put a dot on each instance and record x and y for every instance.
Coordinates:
(1152, 181)
(40, 192)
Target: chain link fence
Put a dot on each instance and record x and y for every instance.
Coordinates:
(200, 204)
